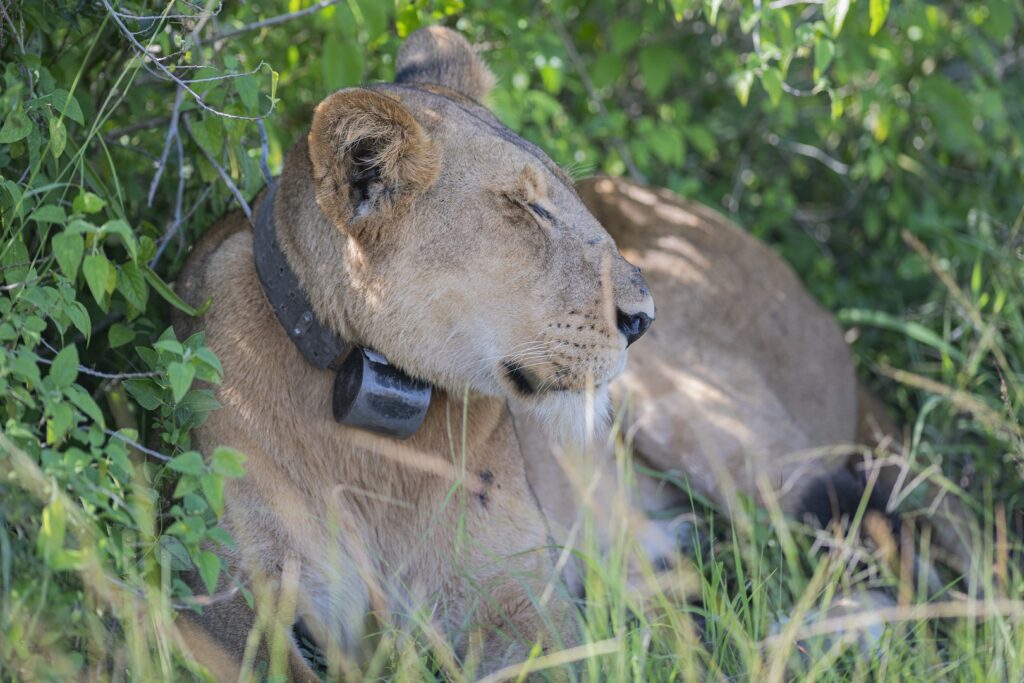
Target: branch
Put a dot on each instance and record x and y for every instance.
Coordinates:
(811, 152)
(223, 175)
(96, 373)
(176, 228)
(172, 133)
(136, 445)
(144, 55)
(779, 4)
(273, 21)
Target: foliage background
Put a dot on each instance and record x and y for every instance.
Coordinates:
(878, 148)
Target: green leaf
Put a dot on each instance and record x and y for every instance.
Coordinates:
(80, 319)
(87, 202)
(743, 82)
(879, 10)
(84, 402)
(119, 335)
(771, 81)
(100, 276)
(837, 104)
(123, 230)
(170, 346)
(210, 358)
(68, 248)
(64, 102)
(248, 90)
(342, 62)
(375, 16)
(168, 295)
(213, 489)
(656, 67)
(61, 420)
(835, 14)
(181, 375)
(209, 569)
(210, 134)
(624, 35)
(51, 213)
(145, 392)
(824, 51)
(58, 137)
(64, 369)
(189, 462)
(16, 127)
(175, 553)
(132, 285)
(228, 463)
(607, 69)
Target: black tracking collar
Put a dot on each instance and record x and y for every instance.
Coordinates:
(369, 393)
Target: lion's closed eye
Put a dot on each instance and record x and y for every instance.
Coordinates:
(539, 215)
(540, 212)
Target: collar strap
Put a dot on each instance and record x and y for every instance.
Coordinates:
(321, 347)
(369, 393)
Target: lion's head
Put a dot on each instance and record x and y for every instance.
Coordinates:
(456, 248)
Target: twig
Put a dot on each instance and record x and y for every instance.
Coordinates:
(144, 55)
(96, 373)
(136, 445)
(779, 4)
(144, 124)
(595, 98)
(811, 152)
(223, 175)
(176, 228)
(106, 375)
(273, 21)
(172, 134)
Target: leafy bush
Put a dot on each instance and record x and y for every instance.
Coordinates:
(877, 147)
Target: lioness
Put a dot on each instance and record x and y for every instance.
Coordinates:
(421, 229)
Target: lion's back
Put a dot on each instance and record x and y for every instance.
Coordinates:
(741, 366)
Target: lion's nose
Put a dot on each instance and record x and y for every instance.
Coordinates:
(632, 325)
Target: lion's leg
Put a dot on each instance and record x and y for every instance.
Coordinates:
(220, 636)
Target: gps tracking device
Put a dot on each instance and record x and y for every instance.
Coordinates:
(369, 392)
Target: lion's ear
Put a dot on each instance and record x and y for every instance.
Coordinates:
(440, 56)
(370, 158)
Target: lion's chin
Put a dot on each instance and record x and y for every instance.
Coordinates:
(573, 419)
